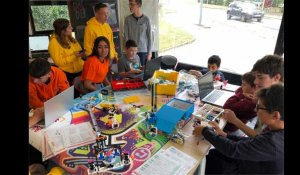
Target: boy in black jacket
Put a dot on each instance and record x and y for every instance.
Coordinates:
(263, 154)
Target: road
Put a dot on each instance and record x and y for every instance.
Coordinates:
(239, 44)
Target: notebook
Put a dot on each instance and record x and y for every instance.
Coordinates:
(210, 95)
(58, 105)
(230, 87)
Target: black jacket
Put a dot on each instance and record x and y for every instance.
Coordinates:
(263, 154)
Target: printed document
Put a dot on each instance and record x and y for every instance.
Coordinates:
(57, 140)
(172, 161)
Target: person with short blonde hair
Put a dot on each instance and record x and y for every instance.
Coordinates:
(98, 26)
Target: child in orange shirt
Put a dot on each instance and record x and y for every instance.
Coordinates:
(95, 68)
(45, 81)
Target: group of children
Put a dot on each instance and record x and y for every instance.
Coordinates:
(257, 153)
(261, 95)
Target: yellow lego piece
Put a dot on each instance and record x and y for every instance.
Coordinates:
(131, 99)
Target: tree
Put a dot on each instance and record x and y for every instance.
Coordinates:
(44, 16)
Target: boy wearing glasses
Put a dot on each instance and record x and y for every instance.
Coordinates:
(263, 154)
(137, 27)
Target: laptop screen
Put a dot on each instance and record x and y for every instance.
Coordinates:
(150, 67)
(58, 105)
(205, 84)
(38, 43)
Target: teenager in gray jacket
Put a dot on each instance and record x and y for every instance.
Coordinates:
(137, 27)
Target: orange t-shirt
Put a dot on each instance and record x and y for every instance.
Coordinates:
(39, 93)
(94, 70)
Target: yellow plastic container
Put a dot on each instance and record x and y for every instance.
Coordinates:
(166, 89)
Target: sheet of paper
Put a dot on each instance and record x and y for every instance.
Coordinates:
(159, 164)
(187, 161)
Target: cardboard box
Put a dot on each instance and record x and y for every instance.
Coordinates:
(166, 89)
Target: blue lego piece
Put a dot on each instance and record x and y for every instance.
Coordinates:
(152, 119)
(101, 156)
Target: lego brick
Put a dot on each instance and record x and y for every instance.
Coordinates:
(131, 99)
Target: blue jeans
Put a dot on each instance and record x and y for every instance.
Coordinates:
(143, 57)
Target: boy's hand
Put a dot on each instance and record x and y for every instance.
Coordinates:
(136, 71)
(38, 115)
(149, 56)
(230, 116)
(217, 129)
(198, 130)
(217, 77)
(196, 73)
(248, 95)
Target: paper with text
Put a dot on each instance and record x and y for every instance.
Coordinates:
(57, 140)
(172, 161)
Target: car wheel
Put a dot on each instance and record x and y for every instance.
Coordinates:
(243, 18)
(228, 16)
(259, 20)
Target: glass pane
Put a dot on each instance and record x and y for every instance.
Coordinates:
(44, 15)
(237, 39)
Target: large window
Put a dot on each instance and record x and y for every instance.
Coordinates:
(237, 40)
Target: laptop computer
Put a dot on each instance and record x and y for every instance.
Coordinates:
(58, 105)
(150, 67)
(210, 95)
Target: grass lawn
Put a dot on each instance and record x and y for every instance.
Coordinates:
(171, 36)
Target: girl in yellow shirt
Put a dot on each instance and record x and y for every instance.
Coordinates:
(65, 50)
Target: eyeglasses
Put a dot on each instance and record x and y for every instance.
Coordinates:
(258, 108)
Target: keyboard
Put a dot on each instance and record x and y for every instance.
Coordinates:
(213, 97)
(40, 55)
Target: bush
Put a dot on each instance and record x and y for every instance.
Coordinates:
(227, 2)
(216, 2)
(219, 2)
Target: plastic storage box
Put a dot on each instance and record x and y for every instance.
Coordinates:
(128, 84)
(208, 113)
